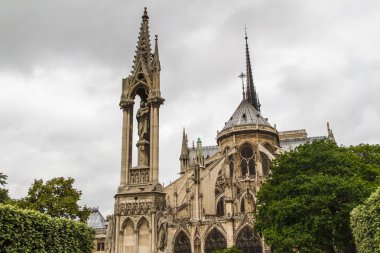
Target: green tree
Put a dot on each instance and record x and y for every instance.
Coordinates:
(305, 205)
(3, 192)
(232, 249)
(57, 198)
(365, 224)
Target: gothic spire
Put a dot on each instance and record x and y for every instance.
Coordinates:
(184, 157)
(184, 148)
(156, 58)
(143, 52)
(251, 94)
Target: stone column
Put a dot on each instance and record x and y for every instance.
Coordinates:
(126, 145)
(155, 103)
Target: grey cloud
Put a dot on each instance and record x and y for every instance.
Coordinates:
(62, 63)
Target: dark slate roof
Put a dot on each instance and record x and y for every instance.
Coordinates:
(208, 151)
(246, 114)
(96, 220)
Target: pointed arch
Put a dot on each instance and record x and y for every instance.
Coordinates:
(142, 220)
(144, 235)
(197, 241)
(247, 241)
(129, 235)
(214, 240)
(220, 207)
(197, 245)
(182, 242)
(231, 166)
(128, 221)
(247, 202)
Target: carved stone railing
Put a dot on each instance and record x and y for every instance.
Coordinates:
(138, 176)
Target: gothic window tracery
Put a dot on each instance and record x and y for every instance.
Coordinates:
(248, 242)
(247, 161)
(182, 243)
(215, 240)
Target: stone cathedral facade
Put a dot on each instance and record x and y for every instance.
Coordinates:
(210, 206)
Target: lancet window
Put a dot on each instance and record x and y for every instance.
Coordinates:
(182, 243)
(215, 240)
(231, 166)
(220, 207)
(265, 164)
(248, 242)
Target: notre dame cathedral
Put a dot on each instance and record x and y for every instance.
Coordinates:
(210, 206)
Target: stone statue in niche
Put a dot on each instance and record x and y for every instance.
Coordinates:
(162, 233)
(142, 117)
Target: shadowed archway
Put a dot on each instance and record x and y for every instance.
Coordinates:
(248, 242)
(182, 243)
(215, 240)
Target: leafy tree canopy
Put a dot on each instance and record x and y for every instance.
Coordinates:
(305, 205)
(365, 224)
(232, 249)
(3, 192)
(55, 197)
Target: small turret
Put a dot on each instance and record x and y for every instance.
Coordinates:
(199, 153)
(184, 158)
(156, 67)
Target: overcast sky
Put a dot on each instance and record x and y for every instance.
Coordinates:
(62, 62)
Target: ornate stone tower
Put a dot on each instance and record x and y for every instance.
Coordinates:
(139, 202)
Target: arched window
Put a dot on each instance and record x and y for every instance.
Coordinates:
(231, 166)
(248, 242)
(247, 203)
(220, 207)
(247, 161)
(182, 243)
(242, 206)
(265, 164)
(215, 240)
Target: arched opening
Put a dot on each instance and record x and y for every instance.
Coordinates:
(231, 166)
(242, 206)
(129, 237)
(215, 240)
(248, 242)
(182, 243)
(140, 97)
(247, 161)
(220, 207)
(144, 236)
(265, 164)
(247, 203)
